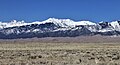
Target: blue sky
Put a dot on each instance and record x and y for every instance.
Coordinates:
(32, 10)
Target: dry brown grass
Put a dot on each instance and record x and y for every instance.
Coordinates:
(36, 53)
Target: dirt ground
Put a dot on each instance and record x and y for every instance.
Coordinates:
(37, 53)
(80, 39)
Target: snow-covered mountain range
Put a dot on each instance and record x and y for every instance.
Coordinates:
(53, 27)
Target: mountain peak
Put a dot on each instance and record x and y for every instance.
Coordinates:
(59, 22)
(53, 27)
(17, 22)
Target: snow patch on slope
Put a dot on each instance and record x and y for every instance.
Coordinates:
(84, 23)
(12, 24)
(115, 25)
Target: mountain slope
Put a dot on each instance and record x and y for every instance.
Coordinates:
(57, 28)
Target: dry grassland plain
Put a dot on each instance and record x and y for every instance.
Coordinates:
(47, 53)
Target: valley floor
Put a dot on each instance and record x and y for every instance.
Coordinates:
(79, 39)
(37, 53)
